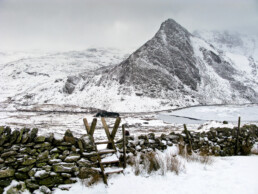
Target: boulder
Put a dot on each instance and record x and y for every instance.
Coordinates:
(19, 138)
(45, 145)
(31, 185)
(25, 137)
(68, 137)
(26, 168)
(45, 190)
(21, 176)
(64, 167)
(10, 159)
(43, 155)
(72, 158)
(29, 161)
(8, 154)
(15, 134)
(7, 173)
(73, 80)
(40, 139)
(41, 174)
(69, 88)
(33, 134)
(87, 142)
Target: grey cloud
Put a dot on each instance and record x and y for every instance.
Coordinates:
(78, 24)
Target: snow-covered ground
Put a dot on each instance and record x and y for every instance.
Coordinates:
(226, 175)
(248, 113)
(136, 123)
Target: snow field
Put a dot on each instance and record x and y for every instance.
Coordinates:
(236, 175)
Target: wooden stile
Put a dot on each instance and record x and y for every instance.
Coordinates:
(111, 148)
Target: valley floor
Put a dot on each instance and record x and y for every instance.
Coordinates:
(197, 119)
(226, 175)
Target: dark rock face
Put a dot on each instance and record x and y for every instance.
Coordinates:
(70, 84)
(170, 50)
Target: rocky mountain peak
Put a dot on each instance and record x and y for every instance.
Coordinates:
(172, 31)
(168, 53)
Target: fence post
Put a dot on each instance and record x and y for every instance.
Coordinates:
(237, 136)
(124, 147)
(188, 138)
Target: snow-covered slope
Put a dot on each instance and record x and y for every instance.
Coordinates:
(174, 68)
(233, 42)
(240, 48)
(38, 78)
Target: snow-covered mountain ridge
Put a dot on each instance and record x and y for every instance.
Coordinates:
(174, 68)
(180, 69)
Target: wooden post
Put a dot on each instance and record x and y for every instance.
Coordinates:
(124, 146)
(86, 124)
(93, 126)
(237, 136)
(112, 143)
(188, 137)
(113, 133)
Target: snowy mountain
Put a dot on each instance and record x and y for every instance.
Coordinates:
(174, 68)
(177, 68)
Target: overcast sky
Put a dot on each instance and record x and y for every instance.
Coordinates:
(79, 24)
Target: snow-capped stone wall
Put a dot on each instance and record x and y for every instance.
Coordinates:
(217, 141)
(44, 162)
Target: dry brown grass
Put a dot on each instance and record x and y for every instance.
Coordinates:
(134, 161)
(174, 164)
(193, 157)
(154, 162)
(162, 163)
(151, 162)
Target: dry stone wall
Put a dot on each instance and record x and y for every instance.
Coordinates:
(217, 141)
(43, 160)
(44, 163)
